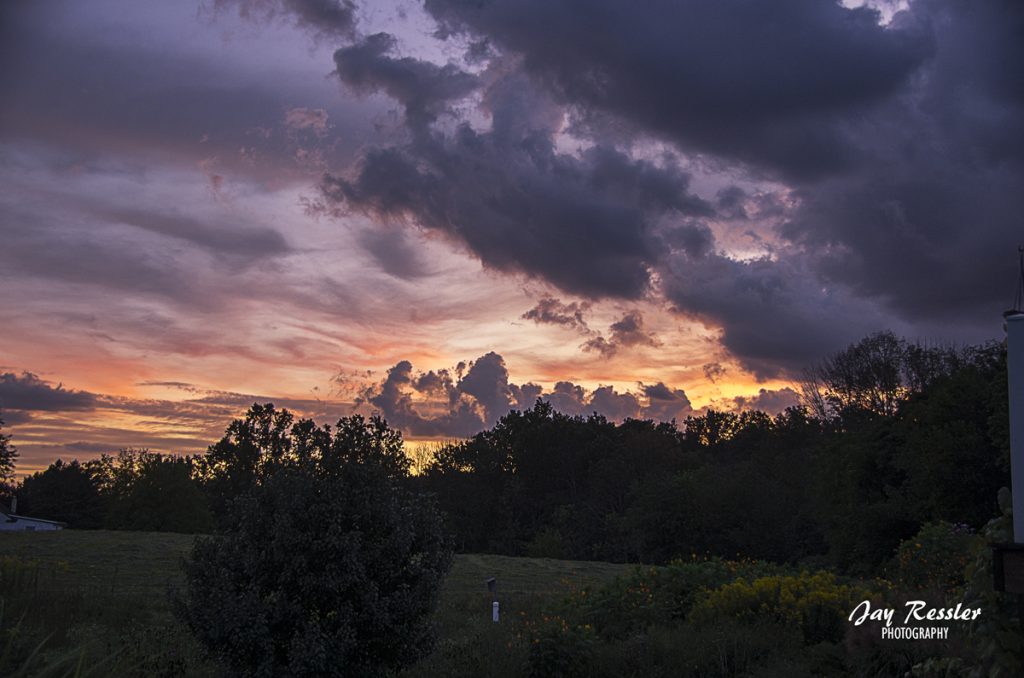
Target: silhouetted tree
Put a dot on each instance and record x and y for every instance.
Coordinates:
(8, 461)
(874, 375)
(711, 428)
(148, 491)
(64, 492)
(251, 449)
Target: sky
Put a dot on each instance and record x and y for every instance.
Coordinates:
(443, 210)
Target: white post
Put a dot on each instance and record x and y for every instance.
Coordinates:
(1015, 372)
(494, 612)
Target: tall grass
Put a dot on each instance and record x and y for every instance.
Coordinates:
(54, 625)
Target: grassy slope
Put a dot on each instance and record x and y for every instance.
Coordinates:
(131, 573)
(147, 562)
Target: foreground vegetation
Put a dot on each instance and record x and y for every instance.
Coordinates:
(96, 602)
(81, 603)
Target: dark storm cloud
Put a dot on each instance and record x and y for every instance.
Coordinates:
(487, 381)
(665, 403)
(569, 398)
(766, 83)
(583, 223)
(768, 400)
(657, 402)
(898, 152)
(730, 200)
(483, 394)
(29, 392)
(774, 315)
(421, 87)
(334, 17)
(902, 146)
(616, 406)
(694, 238)
(434, 382)
(461, 416)
(929, 228)
(627, 331)
(524, 396)
(551, 311)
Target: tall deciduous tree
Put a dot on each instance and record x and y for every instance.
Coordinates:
(251, 449)
(873, 376)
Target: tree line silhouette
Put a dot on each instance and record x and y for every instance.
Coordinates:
(891, 435)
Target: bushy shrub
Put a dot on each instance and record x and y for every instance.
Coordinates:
(935, 558)
(330, 567)
(559, 648)
(995, 637)
(818, 604)
(655, 595)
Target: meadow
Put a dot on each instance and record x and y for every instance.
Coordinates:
(82, 603)
(98, 603)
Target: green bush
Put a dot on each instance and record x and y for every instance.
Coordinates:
(559, 648)
(935, 558)
(655, 595)
(818, 604)
(330, 567)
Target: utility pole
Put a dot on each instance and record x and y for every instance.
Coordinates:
(1008, 559)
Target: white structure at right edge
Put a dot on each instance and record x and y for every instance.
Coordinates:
(1015, 371)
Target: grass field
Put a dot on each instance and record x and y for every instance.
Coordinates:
(78, 586)
(147, 563)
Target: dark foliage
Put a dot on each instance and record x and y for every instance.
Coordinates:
(134, 490)
(893, 436)
(8, 460)
(143, 490)
(329, 565)
(64, 492)
(249, 451)
(896, 435)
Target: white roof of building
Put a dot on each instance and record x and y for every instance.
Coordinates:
(11, 517)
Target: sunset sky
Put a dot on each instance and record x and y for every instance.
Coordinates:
(447, 209)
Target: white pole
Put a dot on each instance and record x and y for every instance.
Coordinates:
(494, 612)
(1015, 372)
